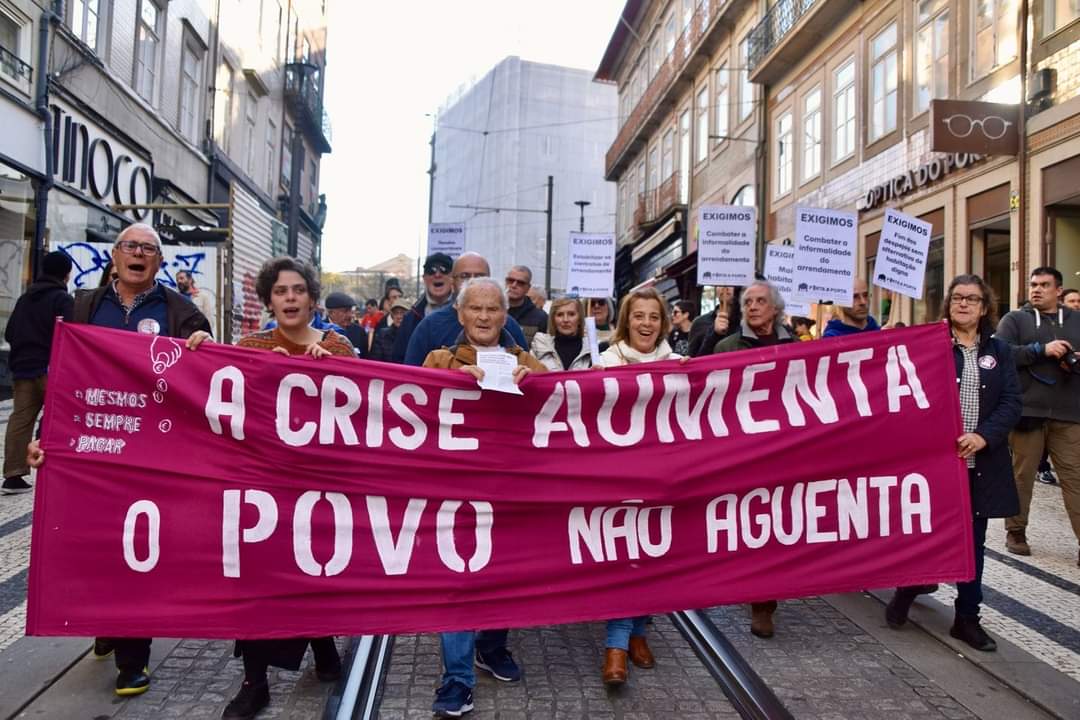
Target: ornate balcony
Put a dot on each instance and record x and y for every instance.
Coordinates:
(17, 70)
(788, 32)
(658, 204)
(303, 97)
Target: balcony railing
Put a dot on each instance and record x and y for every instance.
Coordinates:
(776, 24)
(304, 98)
(705, 14)
(656, 204)
(12, 66)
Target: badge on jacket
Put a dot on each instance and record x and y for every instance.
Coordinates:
(988, 362)
(149, 326)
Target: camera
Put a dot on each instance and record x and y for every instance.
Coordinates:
(1071, 360)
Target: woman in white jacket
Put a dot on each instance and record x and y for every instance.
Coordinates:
(640, 336)
(563, 346)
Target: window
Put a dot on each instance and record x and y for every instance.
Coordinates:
(1059, 13)
(746, 89)
(190, 82)
(684, 157)
(723, 102)
(657, 58)
(687, 13)
(883, 83)
(313, 188)
(931, 52)
(703, 124)
(669, 34)
(844, 110)
(994, 35)
(85, 15)
(271, 136)
(666, 157)
(811, 164)
(784, 154)
(654, 170)
(15, 41)
(224, 109)
(286, 156)
(251, 112)
(147, 49)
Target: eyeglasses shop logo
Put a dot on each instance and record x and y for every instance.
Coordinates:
(992, 127)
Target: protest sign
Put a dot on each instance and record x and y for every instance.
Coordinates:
(825, 250)
(726, 236)
(446, 238)
(779, 268)
(590, 265)
(229, 492)
(902, 252)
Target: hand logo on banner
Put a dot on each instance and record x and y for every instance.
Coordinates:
(164, 353)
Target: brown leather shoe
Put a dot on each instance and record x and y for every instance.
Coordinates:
(761, 622)
(614, 667)
(1016, 542)
(640, 654)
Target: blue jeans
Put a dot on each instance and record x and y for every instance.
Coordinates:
(619, 631)
(969, 594)
(458, 649)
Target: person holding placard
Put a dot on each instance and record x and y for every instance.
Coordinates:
(563, 346)
(717, 324)
(640, 337)
(990, 405)
(854, 319)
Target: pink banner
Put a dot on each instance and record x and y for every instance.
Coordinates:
(238, 493)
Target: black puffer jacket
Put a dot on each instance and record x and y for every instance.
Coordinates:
(29, 330)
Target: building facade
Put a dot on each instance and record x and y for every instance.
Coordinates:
(121, 103)
(495, 146)
(848, 90)
(688, 136)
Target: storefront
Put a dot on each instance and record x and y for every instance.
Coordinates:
(649, 258)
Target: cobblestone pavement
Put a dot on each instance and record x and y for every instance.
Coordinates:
(562, 679)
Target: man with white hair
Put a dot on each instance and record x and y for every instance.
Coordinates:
(442, 327)
(762, 310)
(481, 308)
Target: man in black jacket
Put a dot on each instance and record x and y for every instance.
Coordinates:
(29, 333)
(531, 318)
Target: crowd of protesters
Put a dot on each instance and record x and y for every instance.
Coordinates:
(1017, 394)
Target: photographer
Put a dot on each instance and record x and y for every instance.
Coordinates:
(1044, 336)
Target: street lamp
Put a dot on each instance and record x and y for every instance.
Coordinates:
(582, 204)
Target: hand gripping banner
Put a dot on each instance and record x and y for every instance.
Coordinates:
(237, 493)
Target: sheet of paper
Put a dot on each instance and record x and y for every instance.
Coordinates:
(591, 338)
(498, 367)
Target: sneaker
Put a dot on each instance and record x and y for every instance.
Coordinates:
(15, 486)
(1016, 542)
(969, 630)
(500, 663)
(133, 683)
(102, 649)
(452, 700)
(252, 698)
(1046, 477)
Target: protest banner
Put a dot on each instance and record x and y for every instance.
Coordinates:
(826, 246)
(726, 238)
(590, 265)
(902, 253)
(446, 238)
(229, 493)
(779, 270)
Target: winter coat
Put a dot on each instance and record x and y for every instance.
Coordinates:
(543, 349)
(182, 318)
(993, 489)
(461, 354)
(382, 347)
(531, 318)
(838, 328)
(412, 318)
(29, 330)
(621, 353)
(1049, 392)
(441, 329)
(746, 339)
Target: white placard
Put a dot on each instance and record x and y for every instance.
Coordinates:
(498, 367)
(779, 269)
(902, 253)
(446, 238)
(726, 238)
(826, 246)
(590, 265)
(592, 338)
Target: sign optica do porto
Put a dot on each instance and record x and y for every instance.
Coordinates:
(446, 238)
(726, 245)
(825, 251)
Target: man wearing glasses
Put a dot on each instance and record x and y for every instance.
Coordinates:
(442, 328)
(531, 318)
(438, 293)
(136, 301)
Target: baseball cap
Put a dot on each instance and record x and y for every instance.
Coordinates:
(401, 303)
(338, 300)
(440, 262)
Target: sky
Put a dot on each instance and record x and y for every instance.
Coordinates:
(390, 65)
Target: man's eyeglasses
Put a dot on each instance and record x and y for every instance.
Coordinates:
(436, 270)
(516, 281)
(130, 246)
(969, 299)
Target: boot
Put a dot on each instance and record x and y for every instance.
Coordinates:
(967, 628)
(640, 654)
(1016, 542)
(614, 673)
(761, 622)
(896, 611)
